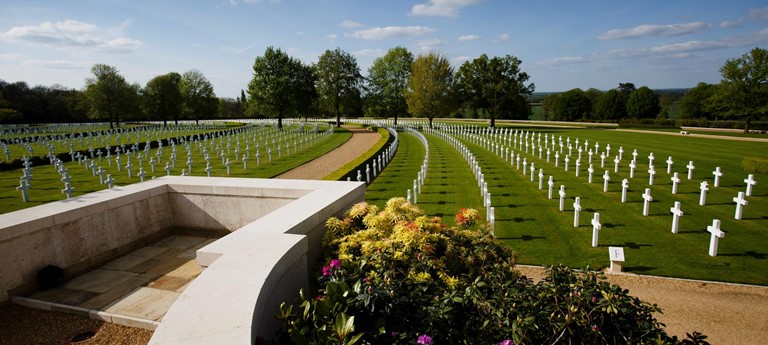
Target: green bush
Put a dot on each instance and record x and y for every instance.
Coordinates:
(755, 165)
(396, 276)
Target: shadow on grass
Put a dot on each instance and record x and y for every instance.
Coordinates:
(524, 238)
(611, 225)
(751, 253)
(630, 245)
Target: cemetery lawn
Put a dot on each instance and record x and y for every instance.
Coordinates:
(47, 186)
(532, 224)
(449, 186)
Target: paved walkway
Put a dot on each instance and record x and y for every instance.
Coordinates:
(362, 140)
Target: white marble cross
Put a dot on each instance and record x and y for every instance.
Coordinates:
(541, 179)
(624, 187)
(675, 180)
(578, 167)
(533, 170)
(750, 181)
(651, 158)
(576, 211)
(606, 178)
(740, 203)
(596, 226)
(110, 181)
(68, 189)
(616, 161)
(632, 167)
(23, 187)
(676, 214)
(602, 159)
(525, 164)
(621, 152)
(703, 186)
(690, 167)
(566, 162)
(557, 159)
(591, 171)
(717, 234)
(651, 174)
(141, 174)
(647, 198)
(669, 164)
(717, 174)
(562, 198)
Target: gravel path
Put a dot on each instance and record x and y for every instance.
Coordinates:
(725, 313)
(362, 140)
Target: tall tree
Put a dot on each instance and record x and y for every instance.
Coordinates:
(611, 106)
(643, 103)
(594, 97)
(430, 85)
(695, 102)
(199, 99)
(572, 105)
(338, 80)
(281, 85)
(744, 87)
(496, 85)
(110, 97)
(387, 81)
(162, 98)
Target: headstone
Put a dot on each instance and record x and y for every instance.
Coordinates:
(566, 162)
(596, 226)
(23, 187)
(740, 203)
(616, 164)
(651, 158)
(141, 174)
(541, 179)
(602, 159)
(525, 164)
(110, 181)
(591, 171)
(647, 198)
(576, 211)
(716, 235)
(409, 194)
(562, 198)
(651, 174)
(675, 180)
(750, 181)
(703, 197)
(669, 164)
(690, 167)
(68, 190)
(624, 187)
(616, 255)
(717, 174)
(578, 167)
(676, 214)
(632, 167)
(533, 170)
(606, 178)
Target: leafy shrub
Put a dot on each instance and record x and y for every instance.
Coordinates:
(396, 276)
(755, 165)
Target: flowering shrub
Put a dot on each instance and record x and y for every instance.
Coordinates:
(396, 276)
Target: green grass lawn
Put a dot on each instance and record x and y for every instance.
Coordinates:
(448, 187)
(533, 225)
(47, 185)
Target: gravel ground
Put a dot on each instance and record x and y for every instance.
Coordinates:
(362, 140)
(26, 326)
(726, 313)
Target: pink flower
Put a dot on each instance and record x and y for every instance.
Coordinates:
(335, 263)
(327, 270)
(425, 340)
(319, 297)
(507, 342)
(595, 328)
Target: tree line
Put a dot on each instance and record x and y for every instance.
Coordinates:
(742, 94)
(397, 84)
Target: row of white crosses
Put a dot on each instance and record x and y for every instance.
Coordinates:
(647, 198)
(91, 165)
(380, 161)
(449, 134)
(422, 174)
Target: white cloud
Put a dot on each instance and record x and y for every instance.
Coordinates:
(468, 38)
(731, 23)
(70, 33)
(654, 30)
(350, 24)
(331, 36)
(9, 56)
(444, 8)
(759, 14)
(501, 38)
(459, 60)
(368, 53)
(386, 32)
(431, 43)
(57, 64)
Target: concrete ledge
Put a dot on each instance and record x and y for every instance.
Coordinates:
(251, 271)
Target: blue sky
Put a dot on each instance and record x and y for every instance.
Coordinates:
(563, 44)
